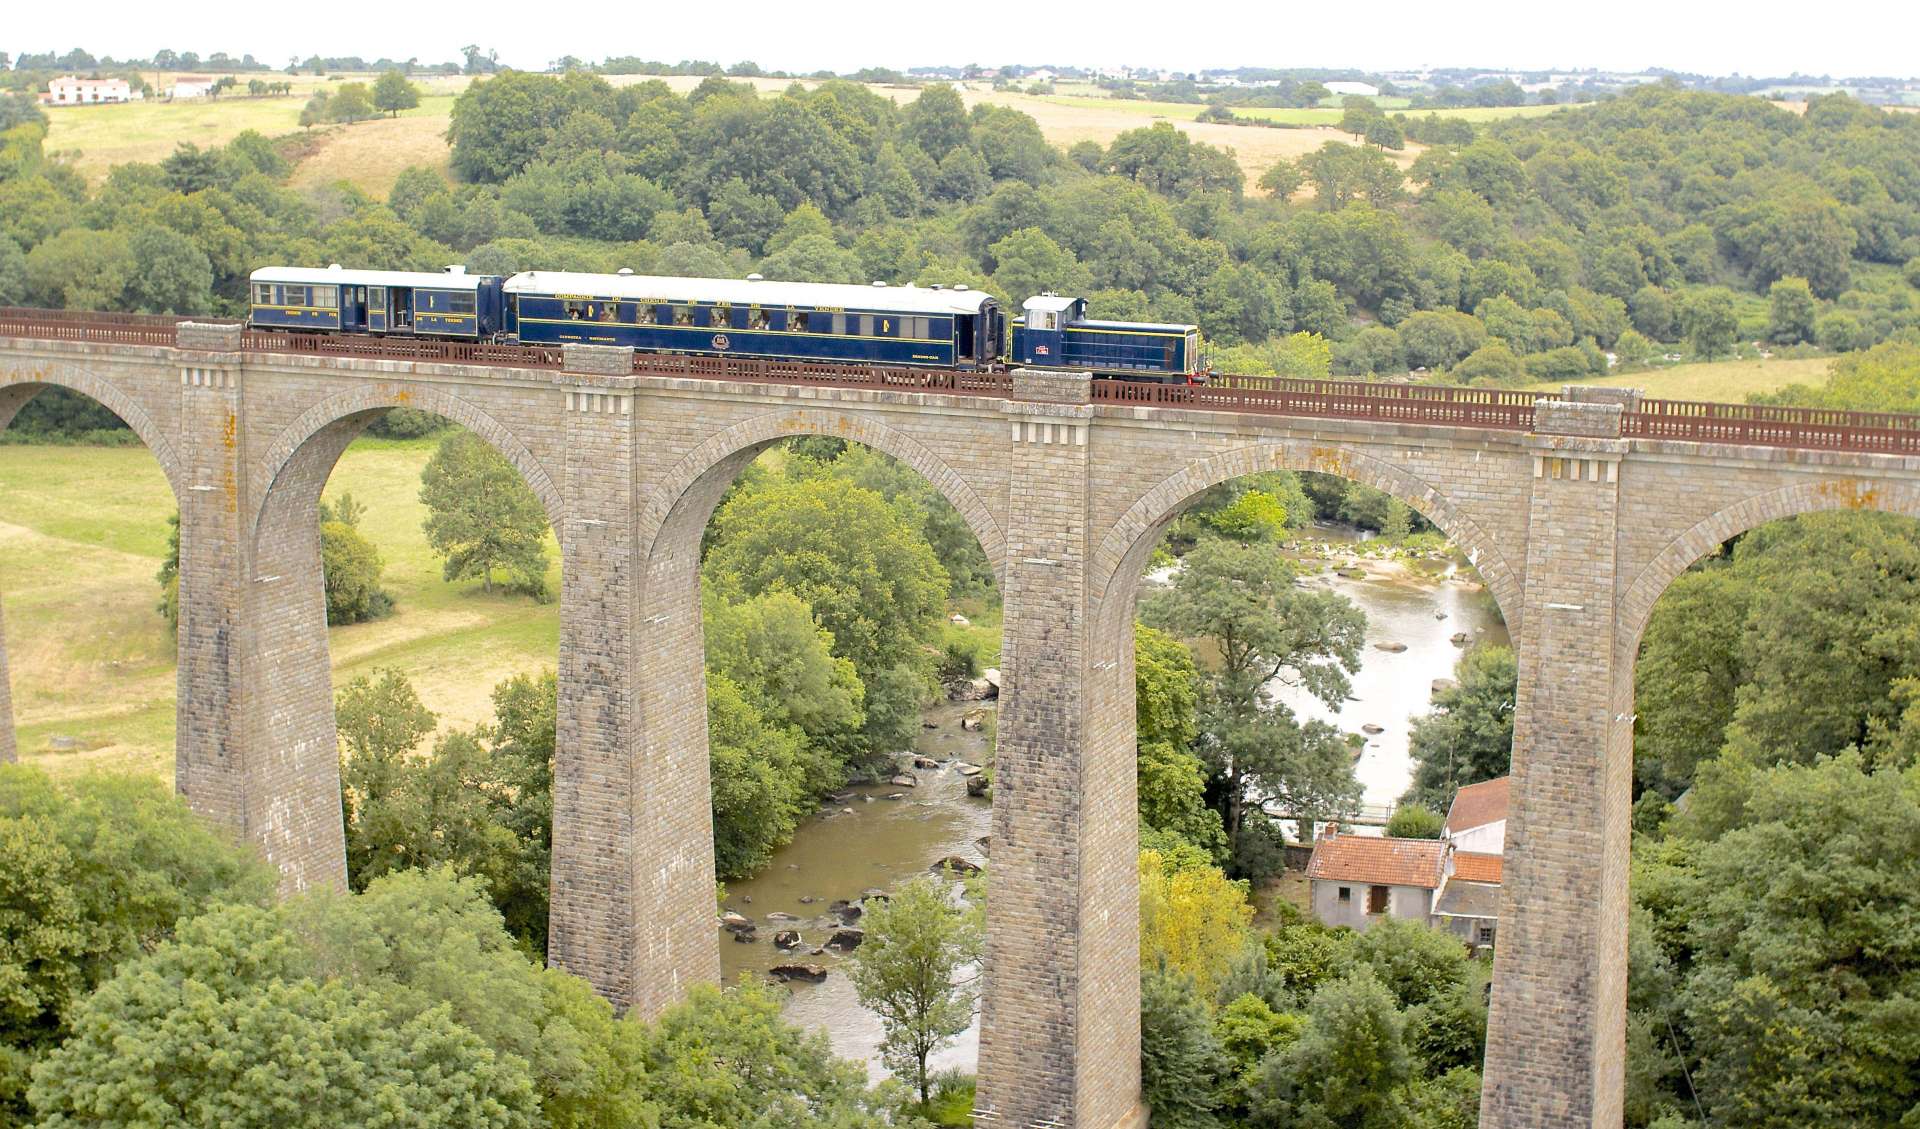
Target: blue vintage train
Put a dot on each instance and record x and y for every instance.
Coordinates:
(931, 327)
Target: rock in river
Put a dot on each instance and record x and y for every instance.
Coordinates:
(787, 939)
(846, 940)
(905, 780)
(1370, 729)
(956, 864)
(1390, 648)
(811, 973)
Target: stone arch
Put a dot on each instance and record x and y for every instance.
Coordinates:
(728, 452)
(1123, 551)
(1728, 522)
(358, 405)
(17, 388)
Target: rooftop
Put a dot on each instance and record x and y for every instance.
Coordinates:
(1471, 867)
(1477, 805)
(1377, 861)
(1468, 899)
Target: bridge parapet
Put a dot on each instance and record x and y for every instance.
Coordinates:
(209, 337)
(1577, 418)
(597, 360)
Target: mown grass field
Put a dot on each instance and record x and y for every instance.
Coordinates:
(1308, 116)
(83, 532)
(1719, 380)
(95, 138)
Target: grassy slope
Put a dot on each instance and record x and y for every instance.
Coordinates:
(82, 533)
(1719, 380)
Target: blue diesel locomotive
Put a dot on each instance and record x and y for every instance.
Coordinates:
(935, 327)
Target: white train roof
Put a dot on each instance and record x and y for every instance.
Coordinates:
(751, 292)
(339, 276)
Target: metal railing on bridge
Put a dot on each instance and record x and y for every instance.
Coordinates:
(1424, 404)
(1697, 421)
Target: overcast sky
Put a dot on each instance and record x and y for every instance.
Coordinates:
(1761, 37)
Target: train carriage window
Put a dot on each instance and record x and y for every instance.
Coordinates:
(327, 297)
(643, 315)
(756, 318)
(797, 321)
(575, 310)
(609, 311)
(263, 293)
(865, 328)
(683, 315)
(839, 323)
(720, 317)
(297, 295)
(461, 304)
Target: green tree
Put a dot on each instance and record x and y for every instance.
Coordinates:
(1790, 311)
(80, 269)
(1181, 1061)
(1350, 1066)
(351, 102)
(1343, 174)
(1492, 365)
(857, 560)
(1415, 821)
(315, 112)
(482, 517)
(1467, 736)
(392, 93)
(1708, 320)
(1030, 262)
(759, 774)
(407, 1002)
(1780, 900)
(936, 122)
(913, 972)
(1242, 599)
(1282, 180)
(99, 869)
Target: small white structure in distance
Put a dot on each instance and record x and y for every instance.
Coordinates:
(1359, 89)
(69, 90)
(192, 86)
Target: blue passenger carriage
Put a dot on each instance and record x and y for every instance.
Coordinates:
(751, 317)
(1055, 332)
(454, 304)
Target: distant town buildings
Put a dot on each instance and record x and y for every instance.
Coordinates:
(1450, 883)
(69, 90)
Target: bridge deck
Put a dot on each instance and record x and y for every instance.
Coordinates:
(1889, 433)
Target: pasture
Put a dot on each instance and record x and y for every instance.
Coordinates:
(83, 532)
(1732, 381)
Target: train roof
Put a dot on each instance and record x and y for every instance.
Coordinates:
(1144, 326)
(751, 292)
(340, 276)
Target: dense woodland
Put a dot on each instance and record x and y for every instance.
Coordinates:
(1777, 799)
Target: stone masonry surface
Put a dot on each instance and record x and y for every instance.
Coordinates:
(1575, 530)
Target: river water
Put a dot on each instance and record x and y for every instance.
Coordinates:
(869, 840)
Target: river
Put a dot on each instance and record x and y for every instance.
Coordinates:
(869, 840)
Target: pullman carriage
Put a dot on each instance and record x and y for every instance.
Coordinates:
(798, 321)
(1055, 332)
(454, 305)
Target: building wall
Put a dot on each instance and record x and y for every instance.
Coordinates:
(1488, 839)
(1409, 903)
(1575, 530)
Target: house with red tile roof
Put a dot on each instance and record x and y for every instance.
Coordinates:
(1477, 818)
(1358, 879)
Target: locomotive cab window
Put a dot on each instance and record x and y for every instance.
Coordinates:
(1044, 319)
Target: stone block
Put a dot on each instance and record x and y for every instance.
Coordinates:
(1565, 417)
(598, 360)
(1053, 387)
(1627, 398)
(209, 337)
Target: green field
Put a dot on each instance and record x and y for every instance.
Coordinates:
(82, 533)
(1732, 381)
(95, 138)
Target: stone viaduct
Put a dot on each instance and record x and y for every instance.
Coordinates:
(1577, 510)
